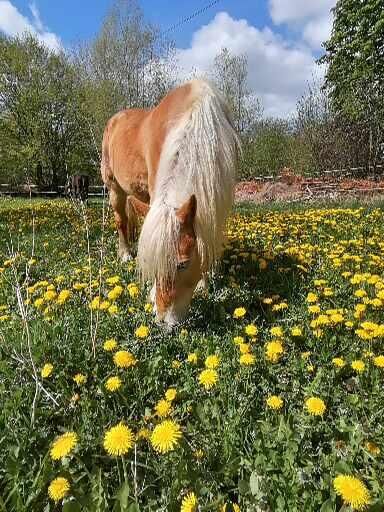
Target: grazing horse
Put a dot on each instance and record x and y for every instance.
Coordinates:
(175, 165)
(77, 186)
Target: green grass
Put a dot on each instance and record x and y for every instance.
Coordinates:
(234, 448)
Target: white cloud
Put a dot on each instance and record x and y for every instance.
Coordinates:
(278, 71)
(13, 23)
(311, 18)
(283, 11)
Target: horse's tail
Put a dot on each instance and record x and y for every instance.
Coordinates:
(207, 156)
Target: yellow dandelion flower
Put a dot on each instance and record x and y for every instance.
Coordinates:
(311, 297)
(165, 436)
(239, 312)
(110, 345)
(170, 394)
(163, 408)
(118, 440)
(63, 445)
(244, 348)
(315, 406)
(338, 362)
(58, 488)
(274, 350)
(277, 331)
(124, 359)
(251, 330)
(208, 378)
(247, 359)
(142, 331)
(46, 370)
(237, 340)
(113, 384)
(192, 358)
(143, 433)
(80, 379)
(358, 365)
(189, 503)
(115, 293)
(113, 310)
(296, 331)
(352, 491)
(379, 361)
(274, 402)
(212, 361)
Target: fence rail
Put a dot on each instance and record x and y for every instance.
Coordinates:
(368, 173)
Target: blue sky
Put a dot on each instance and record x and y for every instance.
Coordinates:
(75, 20)
(281, 38)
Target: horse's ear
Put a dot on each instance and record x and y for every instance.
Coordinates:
(187, 212)
(140, 207)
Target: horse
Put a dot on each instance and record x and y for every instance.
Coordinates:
(77, 186)
(174, 165)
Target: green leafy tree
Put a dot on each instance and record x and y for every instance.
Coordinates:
(355, 58)
(42, 117)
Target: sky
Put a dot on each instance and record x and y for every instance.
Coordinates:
(281, 38)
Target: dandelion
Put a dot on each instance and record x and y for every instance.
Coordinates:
(274, 402)
(170, 394)
(247, 359)
(338, 362)
(165, 436)
(189, 503)
(315, 406)
(358, 365)
(124, 359)
(80, 379)
(115, 293)
(163, 408)
(118, 440)
(58, 488)
(311, 297)
(237, 340)
(113, 384)
(113, 310)
(63, 445)
(212, 361)
(47, 370)
(63, 296)
(274, 350)
(192, 358)
(251, 330)
(208, 378)
(244, 348)
(142, 331)
(296, 331)
(352, 491)
(239, 312)
(379, 361)
(277, 331)
(110, 345)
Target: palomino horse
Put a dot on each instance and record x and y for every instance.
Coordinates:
(180, 157)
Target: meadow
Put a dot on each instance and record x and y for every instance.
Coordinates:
(268, 398)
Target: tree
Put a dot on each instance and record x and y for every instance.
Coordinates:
(128, 64)
(230, 73)
(41, 116)
(355, 57)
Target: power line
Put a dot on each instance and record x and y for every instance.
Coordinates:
(186, 19)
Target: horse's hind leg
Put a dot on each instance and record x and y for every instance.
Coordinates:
(118, 200)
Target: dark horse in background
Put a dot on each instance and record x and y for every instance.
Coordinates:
(77, 187)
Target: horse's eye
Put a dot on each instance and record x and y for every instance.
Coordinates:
(182, 265)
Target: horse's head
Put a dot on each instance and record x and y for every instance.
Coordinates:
(175, 254)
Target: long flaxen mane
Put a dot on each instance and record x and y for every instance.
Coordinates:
(199, 156)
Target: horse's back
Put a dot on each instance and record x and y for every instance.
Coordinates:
(122, 152)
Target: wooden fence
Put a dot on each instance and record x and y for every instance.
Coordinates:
(322, 180)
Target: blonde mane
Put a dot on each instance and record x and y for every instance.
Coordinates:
(199, 157)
